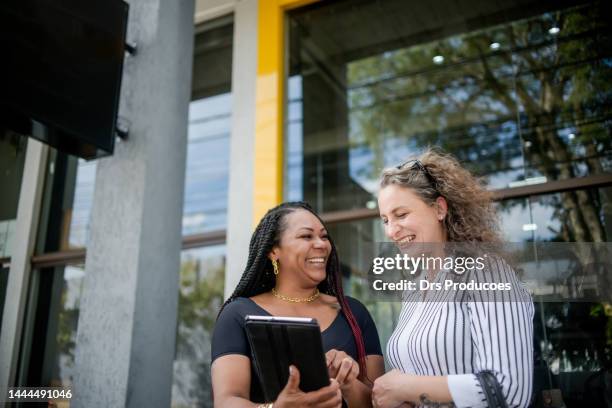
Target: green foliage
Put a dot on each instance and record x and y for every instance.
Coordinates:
(474, 103)
(200, 297)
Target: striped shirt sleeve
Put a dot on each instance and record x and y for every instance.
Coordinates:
(502, 335)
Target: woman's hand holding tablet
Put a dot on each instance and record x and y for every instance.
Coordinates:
(291, 396)
(281, 342)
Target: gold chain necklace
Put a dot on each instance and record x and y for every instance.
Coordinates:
(296, 300)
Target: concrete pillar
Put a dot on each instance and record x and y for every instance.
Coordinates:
(242, 142)
(128, 313)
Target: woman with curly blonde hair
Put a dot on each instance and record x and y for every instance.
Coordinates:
(461, 348)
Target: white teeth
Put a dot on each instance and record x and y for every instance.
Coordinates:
(316, 260)
(408, 239)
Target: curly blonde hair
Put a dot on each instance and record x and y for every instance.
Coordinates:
(470, 217)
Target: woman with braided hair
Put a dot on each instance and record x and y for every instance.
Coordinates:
(293, 270)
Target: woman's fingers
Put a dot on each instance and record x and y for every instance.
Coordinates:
(330, 356)
(347, 370)
(333, 358)
(334, 361)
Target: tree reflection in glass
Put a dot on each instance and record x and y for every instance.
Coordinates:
(514, 101)
(200, 297)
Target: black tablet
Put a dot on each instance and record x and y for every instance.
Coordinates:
(277, 342)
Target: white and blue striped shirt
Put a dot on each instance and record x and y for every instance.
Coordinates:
(460, 333)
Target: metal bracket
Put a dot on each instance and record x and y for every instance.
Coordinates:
(131, 48)
(122, 129)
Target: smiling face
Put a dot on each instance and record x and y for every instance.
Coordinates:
(408, 219)
(303, 250)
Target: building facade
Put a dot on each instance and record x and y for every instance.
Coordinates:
(310, 100)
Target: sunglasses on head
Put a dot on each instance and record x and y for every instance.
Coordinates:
(416, 164)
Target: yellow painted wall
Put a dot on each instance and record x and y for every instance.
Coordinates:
(269, 109)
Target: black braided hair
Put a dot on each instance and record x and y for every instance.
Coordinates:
(258, 277)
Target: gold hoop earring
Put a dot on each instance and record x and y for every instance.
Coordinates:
(275, 266)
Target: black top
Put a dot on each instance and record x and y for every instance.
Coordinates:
(230, 337)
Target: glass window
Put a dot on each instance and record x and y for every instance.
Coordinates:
(572, 336)
(83, 199)
(202, 272)
(207, 175)
(519, 93)
(563, 89)
(49, 337)
(4, 271)
(583, 215)
(200, 297)
(66, 203)
(53, 314)
(206, 184)
(355, 244)
(12, 160)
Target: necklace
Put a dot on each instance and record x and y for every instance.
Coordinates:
(296, 300)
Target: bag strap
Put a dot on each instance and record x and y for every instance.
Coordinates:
(492, 390)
